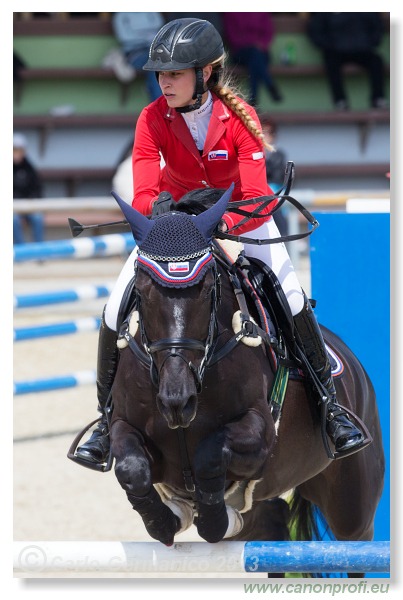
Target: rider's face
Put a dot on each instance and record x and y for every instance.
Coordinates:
(178, 86)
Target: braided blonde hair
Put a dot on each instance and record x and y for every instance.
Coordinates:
(222, 84)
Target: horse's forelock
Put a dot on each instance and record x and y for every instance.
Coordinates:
(197, 201)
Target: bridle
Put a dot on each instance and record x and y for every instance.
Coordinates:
(146, 350)
(176, 345)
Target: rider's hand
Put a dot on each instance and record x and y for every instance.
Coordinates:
(164, 204)
(222, 227)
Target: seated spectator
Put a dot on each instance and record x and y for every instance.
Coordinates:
(26, 184)
(135, 31)
(249, 36)
(18, 66)
(347, 37)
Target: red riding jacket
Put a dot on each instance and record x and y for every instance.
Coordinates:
(231, 154)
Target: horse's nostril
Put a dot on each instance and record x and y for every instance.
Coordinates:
(178, 411)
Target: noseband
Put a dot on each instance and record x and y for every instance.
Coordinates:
(175, 345)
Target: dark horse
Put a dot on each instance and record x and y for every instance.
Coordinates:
(192, 432)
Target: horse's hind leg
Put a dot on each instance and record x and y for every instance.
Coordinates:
(266, 520)
(347, 493)
(133, 472)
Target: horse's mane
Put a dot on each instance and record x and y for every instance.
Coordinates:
(197, 201)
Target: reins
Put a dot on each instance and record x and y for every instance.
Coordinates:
(255, 214)
(283, 196)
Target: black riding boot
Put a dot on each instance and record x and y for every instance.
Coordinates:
(341, 430)
(96, 449)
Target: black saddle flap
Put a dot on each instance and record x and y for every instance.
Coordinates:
(270, 291)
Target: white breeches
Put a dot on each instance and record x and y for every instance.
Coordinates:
(273, 255)
(277, 258)
(112, 307)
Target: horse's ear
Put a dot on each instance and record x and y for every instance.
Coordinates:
(139, 224)
(207, 221)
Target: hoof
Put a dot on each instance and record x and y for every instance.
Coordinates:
(159, 520)
(212, 522)
(164, 529)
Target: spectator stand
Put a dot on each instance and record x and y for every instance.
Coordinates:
(65, 92)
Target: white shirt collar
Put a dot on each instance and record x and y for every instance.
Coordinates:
(198, 121)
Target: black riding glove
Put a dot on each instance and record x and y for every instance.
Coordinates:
(164, 204)
(222, 227)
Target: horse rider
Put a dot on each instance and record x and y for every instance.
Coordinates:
(208, 137)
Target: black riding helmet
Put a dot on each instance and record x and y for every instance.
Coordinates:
(185, 44)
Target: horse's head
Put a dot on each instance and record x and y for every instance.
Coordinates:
(176, 330)
(177, 293)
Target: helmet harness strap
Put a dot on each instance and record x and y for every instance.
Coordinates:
(198, 93)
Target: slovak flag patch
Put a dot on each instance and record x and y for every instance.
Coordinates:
(178, 267)
(218, 155)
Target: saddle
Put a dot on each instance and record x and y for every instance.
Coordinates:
(268, 288)
(264, 298)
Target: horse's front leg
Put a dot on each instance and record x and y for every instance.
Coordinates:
(239, 447)
(133, 471)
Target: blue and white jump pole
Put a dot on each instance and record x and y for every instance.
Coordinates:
(49, 384)
(54, 329)
(81, 292)
(201, 557)
(103, 245)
